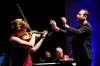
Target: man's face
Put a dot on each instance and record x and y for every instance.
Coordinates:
(80, 15)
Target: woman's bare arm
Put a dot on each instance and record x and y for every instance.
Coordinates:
(19, 42)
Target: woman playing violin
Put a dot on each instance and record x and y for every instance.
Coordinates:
(24, 43)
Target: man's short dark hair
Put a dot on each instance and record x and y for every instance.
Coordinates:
(86, 12)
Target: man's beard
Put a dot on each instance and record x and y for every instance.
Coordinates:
(81, 21)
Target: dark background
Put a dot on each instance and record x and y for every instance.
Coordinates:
(39, 12)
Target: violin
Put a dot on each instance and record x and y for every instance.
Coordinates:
(28, 35)
(23, 35)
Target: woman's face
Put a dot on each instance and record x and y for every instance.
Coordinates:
(20, 24)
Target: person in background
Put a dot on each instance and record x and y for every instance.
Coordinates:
(63, 50)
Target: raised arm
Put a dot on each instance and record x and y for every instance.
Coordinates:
(84, 28)
(56, 28)
(39, 43)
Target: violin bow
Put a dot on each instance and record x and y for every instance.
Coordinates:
(20, 10)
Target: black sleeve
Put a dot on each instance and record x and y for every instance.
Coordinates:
(63, 31)
(81, 30)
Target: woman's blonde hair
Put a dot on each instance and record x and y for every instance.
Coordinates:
(18, 24)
